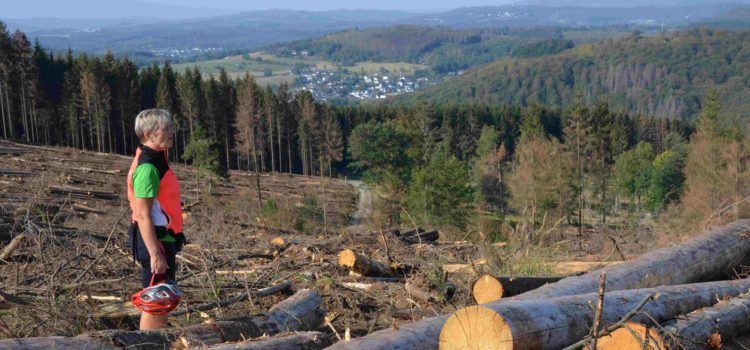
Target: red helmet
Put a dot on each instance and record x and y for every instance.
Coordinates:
(157, 300)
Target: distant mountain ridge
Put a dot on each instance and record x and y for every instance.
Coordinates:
(153, 39)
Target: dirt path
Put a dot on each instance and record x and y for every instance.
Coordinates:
(362, 218)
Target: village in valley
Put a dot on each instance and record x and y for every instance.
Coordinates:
(326, 85)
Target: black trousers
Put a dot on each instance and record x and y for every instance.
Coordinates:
(141, 254)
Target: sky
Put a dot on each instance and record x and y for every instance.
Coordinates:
(202, 8)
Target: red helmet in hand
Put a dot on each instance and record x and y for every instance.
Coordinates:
(157, 300)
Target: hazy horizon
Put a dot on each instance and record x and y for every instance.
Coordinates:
(173, 9)
(92, 9)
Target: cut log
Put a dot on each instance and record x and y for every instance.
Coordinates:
(554, 323)
(301, 341)
(724, 321)
(12, 246)
(362, 265)
(135, 339)
(463, 268)
(489, 288)
(300, 312)
(279, 243)
(83, 193)
(422, 237)
(57, 343)
(574, 267)
(85, 209)
(16, 173)
(12, 151)
(409, 232)
(362, 287)
(702, 258)
(8, 301)
(418, 293)
(85, 297)
(117, 311)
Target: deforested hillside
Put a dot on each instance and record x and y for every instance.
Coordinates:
(658, 75)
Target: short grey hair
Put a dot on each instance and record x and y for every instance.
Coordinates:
(151, 120)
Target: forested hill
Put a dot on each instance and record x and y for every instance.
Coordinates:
(442, 48)
(664, 76)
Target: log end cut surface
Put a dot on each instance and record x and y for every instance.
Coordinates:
(487, 289)
(476, 328)
(347, 258)
(624, 339)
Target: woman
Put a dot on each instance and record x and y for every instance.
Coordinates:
(156, 229)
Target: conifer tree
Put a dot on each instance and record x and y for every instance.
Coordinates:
(6, 65)
(575, 144)
(201, 152)
(246, 122)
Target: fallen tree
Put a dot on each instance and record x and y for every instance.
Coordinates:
(697, 330)
(702, 258)
(489, 288)
(554, 323)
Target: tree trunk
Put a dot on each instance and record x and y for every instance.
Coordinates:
(58, 343)
(270, 137)
(698, 330)
(13, 245)
(278, 137)
(421, 237)
(289, 150)
(489, 288)
(296, 341)
(554, 323)
(24, 116)
(9, 111)
(699, 259)
(122, 129)
(2, 111)
(302, 311)
(363, 265)
(703, 258)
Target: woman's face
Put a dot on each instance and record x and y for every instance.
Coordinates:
(161, 138)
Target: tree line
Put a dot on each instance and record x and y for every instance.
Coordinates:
(90, 103)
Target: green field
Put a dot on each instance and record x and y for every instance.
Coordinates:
(258, 63)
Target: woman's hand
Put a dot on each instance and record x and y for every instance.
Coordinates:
(158, 263)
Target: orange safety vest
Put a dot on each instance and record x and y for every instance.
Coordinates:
(169, 188)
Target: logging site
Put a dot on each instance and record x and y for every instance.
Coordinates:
(314, 274)
(375, 175)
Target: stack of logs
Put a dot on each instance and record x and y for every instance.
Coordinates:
(672, 298)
